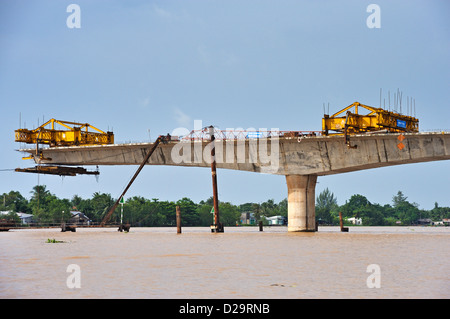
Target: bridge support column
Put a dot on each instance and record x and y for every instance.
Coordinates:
(301, 202)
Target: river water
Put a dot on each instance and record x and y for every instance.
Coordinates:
(242, 262)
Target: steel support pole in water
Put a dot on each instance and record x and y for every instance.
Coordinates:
(341, 222)
(217, 227)
(178, 220)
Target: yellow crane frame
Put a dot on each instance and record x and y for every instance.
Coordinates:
(75, 134)
(377, 120)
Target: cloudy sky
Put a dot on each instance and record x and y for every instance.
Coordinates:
(145, 68)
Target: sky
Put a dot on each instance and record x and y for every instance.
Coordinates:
(146, 68)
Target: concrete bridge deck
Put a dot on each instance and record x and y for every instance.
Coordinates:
(319, 155)
(300, 159)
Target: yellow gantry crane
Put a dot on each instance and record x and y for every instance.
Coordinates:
(73, 134)
(377, 119)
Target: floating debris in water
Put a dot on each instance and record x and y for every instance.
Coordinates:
(281, 285)
(54, 241)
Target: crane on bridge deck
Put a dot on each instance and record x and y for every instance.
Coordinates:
(71, 134)
(377, 120)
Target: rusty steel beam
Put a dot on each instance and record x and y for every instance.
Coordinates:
(161, 138)
(57, 170)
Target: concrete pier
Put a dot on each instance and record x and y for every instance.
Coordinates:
(301, 202)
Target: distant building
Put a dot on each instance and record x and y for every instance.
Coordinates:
(79, 218)
(424, 221)
(25, 219)
(277, 220)
(355, 221)
(248, 218)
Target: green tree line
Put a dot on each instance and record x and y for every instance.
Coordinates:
(140, 211)
(400, 212)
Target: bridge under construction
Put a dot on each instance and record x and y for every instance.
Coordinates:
(346, 143)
